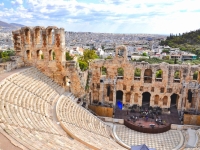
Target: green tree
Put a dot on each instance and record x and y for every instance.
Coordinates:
(137, 72)
(5, 55)
(84, 60)
(120, 72)
(165, 51)
(195, 75)
(83, 65)
(109, 57)
(144, 54)
(104, 70)
(68, 57)
(159, 74)
(177, 75)
(42, 56)
(54, 55)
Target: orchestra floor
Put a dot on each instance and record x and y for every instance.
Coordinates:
(161, 141)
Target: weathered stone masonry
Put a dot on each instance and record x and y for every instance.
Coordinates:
(103, 88)
(44, 48)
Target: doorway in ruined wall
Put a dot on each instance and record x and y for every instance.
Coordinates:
(28, 54)
(148, 76)
(119, 99)
(52, 55)
(174, 100)
(146, 99)
(27, 36)
(156, 100)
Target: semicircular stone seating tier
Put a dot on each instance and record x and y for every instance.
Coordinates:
(84, 126)
(26, 112)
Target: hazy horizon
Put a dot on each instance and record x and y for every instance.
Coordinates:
(106, 16)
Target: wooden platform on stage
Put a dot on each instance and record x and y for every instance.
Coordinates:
(147, 126)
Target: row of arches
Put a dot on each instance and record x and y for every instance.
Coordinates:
(40, 55)
(39, 37)
(148, 74)
(146, 96)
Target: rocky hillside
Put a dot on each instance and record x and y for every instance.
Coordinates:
(10, 25)
(189, 41)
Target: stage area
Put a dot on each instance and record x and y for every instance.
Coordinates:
(146, 116)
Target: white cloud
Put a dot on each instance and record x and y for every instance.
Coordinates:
(153, 16)
(1, 4)
(18, 2)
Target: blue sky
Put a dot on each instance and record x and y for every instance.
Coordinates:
(111, 16)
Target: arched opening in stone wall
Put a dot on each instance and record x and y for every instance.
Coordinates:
(198, 76)
(121, 53)
(191, 98)
(159, 75)
(156, 99)
(95, 97)
(38, 34)
(28, 54)
(189, 95)
(103, 70)
(120, 73)
(52, 55)
(40, 55)
(119, 99)
(193, 104)
(174, 100)
(27, 36)
(146, 99)
(137, 74)
(111, 96)
(128, 97)
(148, 76)
(177, 76)
(136, 98)
(195, 75)
(51, 36)
(165, 100)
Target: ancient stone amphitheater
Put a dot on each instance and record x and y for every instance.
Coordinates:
(39, 110)
(30, 105)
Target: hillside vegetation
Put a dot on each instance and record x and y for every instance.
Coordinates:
(186, 42)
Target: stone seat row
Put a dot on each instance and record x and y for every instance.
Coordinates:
(25, 116)
(18, 116)
(37, 140)
(81, 124)
(35, 76)
(70, 112)
(16, 95)
(93, 139)
(24, 104)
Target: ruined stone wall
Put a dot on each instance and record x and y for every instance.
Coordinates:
(14, 63)
(103, 88)
(44, 48)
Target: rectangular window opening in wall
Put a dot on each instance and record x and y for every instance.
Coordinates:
(124, 87)
(98, 85)
(169, 90)
(152, 89)
(162, 90)
(132, 88)
(141, 88)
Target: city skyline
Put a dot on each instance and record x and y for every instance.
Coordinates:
(105, 16)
